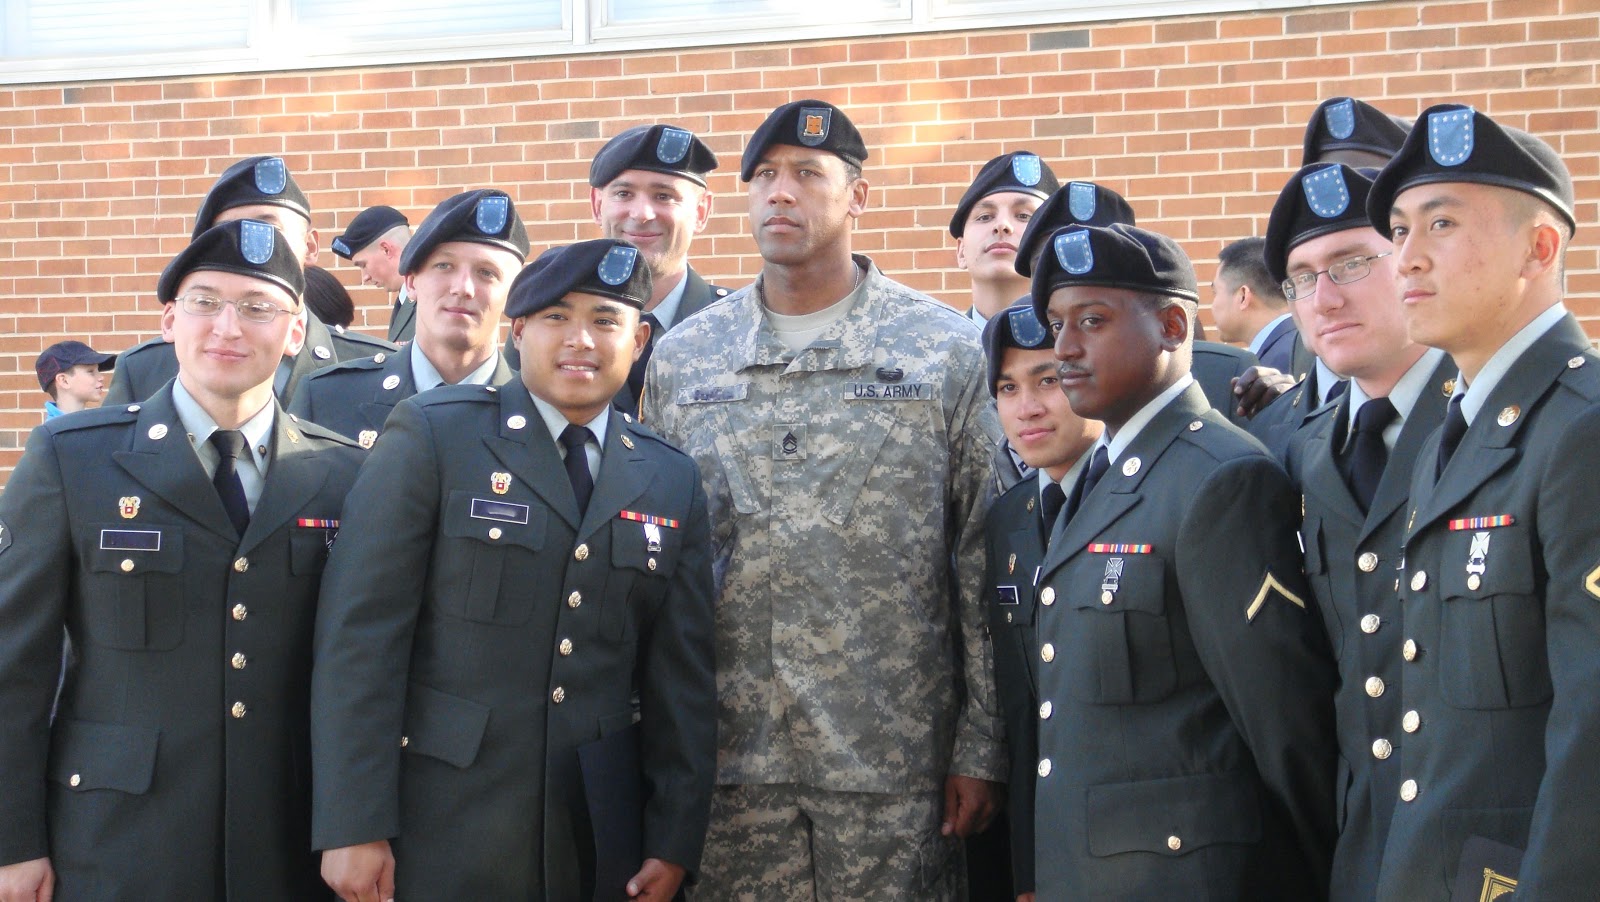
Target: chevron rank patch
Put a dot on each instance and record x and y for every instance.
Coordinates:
(5, 537)
(1590, 582)
(1269, 587)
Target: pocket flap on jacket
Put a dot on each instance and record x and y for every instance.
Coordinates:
(85, 756)
(444, 726)
(1174, 816)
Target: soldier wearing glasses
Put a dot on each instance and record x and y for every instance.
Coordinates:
(180, 543)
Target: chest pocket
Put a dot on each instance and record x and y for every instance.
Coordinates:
(1120, 639)
(642, 567)
(492, 544)
(1492, 625)
(308, 549)
(132, 589)
(1012, 598)
(875, 434)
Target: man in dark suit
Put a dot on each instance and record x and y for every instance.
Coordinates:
(259, 188)
(180, 544)
(373, 242)
(524, 703)
(459, 267)
(1050, 439)
(647, 186)
(1352, 463)
(1185, 715)
(1249, 307)
(1501, 579)
(1217, 367)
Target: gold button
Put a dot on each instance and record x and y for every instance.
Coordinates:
(238, 709)
(1408, 790)
(1575, 362)
(239, 660)
(581, 552)
(1174, 842)
(1374, 686)
(1411, 722)
(241, 565)
(1195, 426)
(1474, 581)
(651, 563)
(240, 612)
(1370, 623)
(127, 565)
(1509, 415)
(1044, 767)
(405, 741)
(1409, 650)
(1045, 710)
(1048, 596)
(494, 532)
(1419, 581)
(76, 779)
(574, 600)
(566, 647)
(1047, 653)
(559, 695)
(1382, 748)
(1368, 562)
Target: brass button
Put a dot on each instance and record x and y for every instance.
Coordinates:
(494, 532)
(1419, 581)
(1174, 842)
(239, 660)
(1411, 722)
(565, 647)
(127, 565)
(76, 779)
(1044, 767)
(1368, 562)
(1408, 790)
(405, 741)
(1382, 748)
(559, 695)
(1047, 597)
(1374, 686)
(1045, 710)
(581, 552)
(238, 709)
(240, 612)
(241, 565)
(1047, 653)
(574, 600)
(1370, 623)
(1409, 650)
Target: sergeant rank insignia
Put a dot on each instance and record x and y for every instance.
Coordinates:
(500, 483)
(128, 506)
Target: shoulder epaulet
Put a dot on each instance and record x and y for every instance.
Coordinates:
(312, 430)
(1582, 374)
(143, 346)
(1212, 432)
(632, 424)
(114, 415)
(345, 367)
(457, 394)
(720, 291)
(362, 338)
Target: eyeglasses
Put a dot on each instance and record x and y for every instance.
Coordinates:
(1303, 285)
(251, 311)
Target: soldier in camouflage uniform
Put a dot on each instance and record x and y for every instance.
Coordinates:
(844, 434)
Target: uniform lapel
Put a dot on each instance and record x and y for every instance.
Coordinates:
(162, 460)
(293, 479)
(376, 411)
(625, 474)
(402, 318)
(1323, 479)
(1394, 489)
(697, 296)
(529, 453)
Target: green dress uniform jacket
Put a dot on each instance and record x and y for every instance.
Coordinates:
(1352, 562)
(1186, 721)
(356, 397)
(1214, 367)
(178, 764)
(478, 637)
(403, 320)
(1015, 540)
(1501, 591)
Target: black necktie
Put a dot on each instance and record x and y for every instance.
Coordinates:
(574, 438)
(1367, 455)
(1088, 479)
(229, 442)
(1337, 390)
(1050, 502)
(1455, 426)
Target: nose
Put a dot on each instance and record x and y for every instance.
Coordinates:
(1408, 255)
(465, 285)
(227, 323)
(579, 338)
(1066, 347)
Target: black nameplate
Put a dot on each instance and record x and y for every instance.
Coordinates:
(130, 540)
(499, 511)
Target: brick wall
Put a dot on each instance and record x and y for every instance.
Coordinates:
(1196, 120)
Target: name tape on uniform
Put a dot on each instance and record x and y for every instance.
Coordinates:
(130, 540)
(888, 391)
(499, 511)
(713, 394)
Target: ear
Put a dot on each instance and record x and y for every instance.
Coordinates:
(410, 280)
(1244, 297)
(312, 249)
(62, 379)
(169, 318)
(594, 205)
(961, 253)
(295, 339)
(1544, 251)
(858, 197)
(702, 211)
(1174, 321)
(641, 339)
(517, 325)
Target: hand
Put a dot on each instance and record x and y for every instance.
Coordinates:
(1259, 386)
(1025, 897)
(657, 880)
(28, 881)
(969, 805)
(363, 873)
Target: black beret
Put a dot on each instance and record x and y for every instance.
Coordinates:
(605, 266)
(1455, 143)
(368, 226)
(1075, 203)
(1019, 171)
(805, 123)
(1344, 123)
(1114, 256)
(484, 216)
(1320, 199)
(1017, 326)
(256, 180)
(653, 148)
(244, 246)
